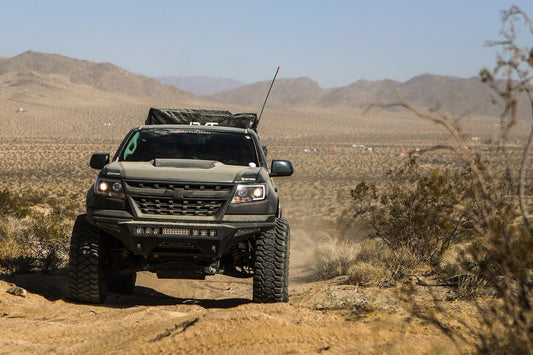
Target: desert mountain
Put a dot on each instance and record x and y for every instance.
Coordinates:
(452, 94)
(201, 85)
(359, 93)
(30, 67)
(49, 95)
(288, 91)
(39, 76)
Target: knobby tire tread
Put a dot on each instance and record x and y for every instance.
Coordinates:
(271, 265)
(86, 274)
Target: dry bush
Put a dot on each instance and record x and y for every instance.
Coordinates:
(378, 264)
(470, 286)
(493, 203)
(333, 258)
(363, 273)
(34, 237)
(9, 204)
(414, 210)
(48, 238)
(366, 262)
(15, 256)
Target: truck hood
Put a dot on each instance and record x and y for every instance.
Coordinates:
(181, 170)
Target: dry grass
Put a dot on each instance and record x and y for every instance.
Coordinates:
(333, 257)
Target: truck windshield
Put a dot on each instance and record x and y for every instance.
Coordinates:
(226, 147)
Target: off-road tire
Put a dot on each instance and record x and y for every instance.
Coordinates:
(122, 283)
(271, 264)
(86, 274)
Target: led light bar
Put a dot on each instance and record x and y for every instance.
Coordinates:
(175, 231)
(172, 231)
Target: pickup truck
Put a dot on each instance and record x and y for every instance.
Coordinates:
(186, 195)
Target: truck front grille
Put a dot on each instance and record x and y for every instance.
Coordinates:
(179, 186)
(176, 207)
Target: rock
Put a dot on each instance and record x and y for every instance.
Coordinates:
(17, 291)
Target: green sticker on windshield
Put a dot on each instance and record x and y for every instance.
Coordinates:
(132, 146)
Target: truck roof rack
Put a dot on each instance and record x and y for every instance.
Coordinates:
(202, 117)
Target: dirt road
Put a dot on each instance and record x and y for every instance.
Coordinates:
(211, 316)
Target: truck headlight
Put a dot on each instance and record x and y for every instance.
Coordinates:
(108, 187)
(249, 193)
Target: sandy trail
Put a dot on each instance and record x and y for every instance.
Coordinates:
(196, 317)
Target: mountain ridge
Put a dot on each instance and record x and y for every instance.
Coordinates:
(102, 76)
(41, 71)
(461, 96)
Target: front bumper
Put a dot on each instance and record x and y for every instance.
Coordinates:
(179, 239)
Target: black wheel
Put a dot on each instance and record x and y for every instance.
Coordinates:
(122, 283)
(86, 274)
(271, 264)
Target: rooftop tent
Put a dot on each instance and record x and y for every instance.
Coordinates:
(202, 117)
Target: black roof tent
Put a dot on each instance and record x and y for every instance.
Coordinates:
(202, 117)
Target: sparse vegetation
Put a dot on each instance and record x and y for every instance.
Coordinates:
(479, 206)
(414, 209)
(334, 257)
(34, 230)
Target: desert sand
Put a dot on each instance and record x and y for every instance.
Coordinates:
(50, 126)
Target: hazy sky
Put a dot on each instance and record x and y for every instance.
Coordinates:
(332, 42)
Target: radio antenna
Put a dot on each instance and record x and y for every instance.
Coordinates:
(266, 98)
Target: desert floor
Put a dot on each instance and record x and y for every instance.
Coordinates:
(331, 150)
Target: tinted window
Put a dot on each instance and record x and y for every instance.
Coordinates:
(225, 147)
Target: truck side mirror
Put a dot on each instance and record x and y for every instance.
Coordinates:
(99, 160)
(281, 168)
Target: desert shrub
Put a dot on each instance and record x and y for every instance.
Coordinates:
(489, 205)
(66, 206)
(377, 264)
(34, 230)
(364, 273)
(415, 209)
(47, 238)
(333, 257)
(11, 204)
(470, 286)
(14, 259)
(369, 262)
(15, 256)
(32, 197)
